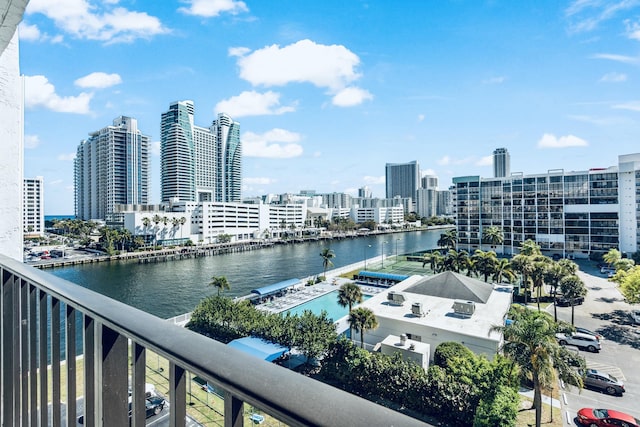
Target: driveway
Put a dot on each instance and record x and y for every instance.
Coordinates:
(605, 311)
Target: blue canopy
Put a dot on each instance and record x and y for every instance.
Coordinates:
(272, 289)
(377, 275)
(259, 348)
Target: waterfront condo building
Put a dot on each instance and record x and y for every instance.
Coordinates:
(574, 214)
(402, 179)
(33, 207)
(501, 163)
(199, 164)
(111, 168)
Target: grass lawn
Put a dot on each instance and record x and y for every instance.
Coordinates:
(527, 417)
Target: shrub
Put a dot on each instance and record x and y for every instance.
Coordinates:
(449, 351)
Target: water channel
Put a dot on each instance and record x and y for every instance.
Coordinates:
(167, 289)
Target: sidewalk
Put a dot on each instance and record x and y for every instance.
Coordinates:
(545, 399)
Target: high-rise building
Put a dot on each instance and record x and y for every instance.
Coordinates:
(402, 179)
(364, 192)
(567, 213)
(199, 164)
(111, 168)
(501, 163)
(429, 182)
(33, 206)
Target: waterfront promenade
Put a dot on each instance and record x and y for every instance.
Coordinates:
(187, 252)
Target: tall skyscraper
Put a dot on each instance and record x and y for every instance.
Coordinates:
(33, 206)
(199, 164)
(402, 179)
(429, 182)
(364, 192)
(501, 163)
(111, 167)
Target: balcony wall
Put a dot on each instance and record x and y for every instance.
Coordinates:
(116, 339)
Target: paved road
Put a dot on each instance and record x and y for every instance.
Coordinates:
(605, 312)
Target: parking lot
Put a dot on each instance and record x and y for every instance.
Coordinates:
(605, 311)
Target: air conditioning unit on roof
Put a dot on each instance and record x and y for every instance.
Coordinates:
(464, 308)
(416, 309)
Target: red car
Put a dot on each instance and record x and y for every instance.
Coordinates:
(605, 418)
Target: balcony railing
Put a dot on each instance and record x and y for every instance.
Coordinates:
(37, 306)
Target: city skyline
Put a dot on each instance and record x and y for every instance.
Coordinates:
(325, 99)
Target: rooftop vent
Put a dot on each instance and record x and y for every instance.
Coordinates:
(395, 298)
(416, 309)
(464, 308)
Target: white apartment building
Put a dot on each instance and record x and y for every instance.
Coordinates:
(33, 207)
(575, 214)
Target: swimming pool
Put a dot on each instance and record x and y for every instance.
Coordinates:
(327, 302)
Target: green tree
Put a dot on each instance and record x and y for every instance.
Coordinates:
(529, 247)
(572, 287)
(630, 285)
(523, 264)
(146, 222)
(503, 270)
(349, 294)
(448, 239)
(531, 343)
(540, 264)
(157, 219)
(493, 236)
(554, 272)
(612, 257)
(361, 320)
(434, 259)
(484, 262)
(221, 283)
(456, 260)
(327, 255)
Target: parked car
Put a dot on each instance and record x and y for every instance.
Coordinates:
(153, 405)
(607, 270)
(562, 301)
(606, 417)
(588, 332)
(603, 381)
(635, 317)
(579, 340)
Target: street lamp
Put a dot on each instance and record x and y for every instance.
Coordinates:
(382, 252)
(365, 256)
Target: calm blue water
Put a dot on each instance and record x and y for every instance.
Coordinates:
(52, 217)
(327, 302)
(172, 288)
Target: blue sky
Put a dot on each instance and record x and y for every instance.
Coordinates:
(329, 91)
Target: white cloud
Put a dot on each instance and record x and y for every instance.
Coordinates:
(275, 144)
(625, 59)
(29, 32)
(444, 161)
(40, 93)
(494, 80)
(599, 121)
(99, 21)
(258, 181)
(67, 157)
(155, 148)
(426, 172)
(332, 67)
(551, 141)
(31, 141)
(238, 51)
(614, 78)
(485, 161)
(98, 80)
(633, 30)
(253, 104)
(351, 96)
(212, 8)
(588, 14)
(420, 117)
(373, 180)
(631, 105)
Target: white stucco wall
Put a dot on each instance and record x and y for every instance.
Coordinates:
(11, 160)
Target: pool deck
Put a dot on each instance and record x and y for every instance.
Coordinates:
(294, 298)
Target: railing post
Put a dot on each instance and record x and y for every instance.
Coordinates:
(70, 356)
(233, 413)
(89, 352)
(114, 368)
(33, 361)
(24, 350)
(139, 385)
(8, 416)
(55, 362)
(177, 394)
(42, 365)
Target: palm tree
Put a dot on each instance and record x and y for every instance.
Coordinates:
(484, 262)
(221, 283)
(523, 264)
(183, 221)
(612, 257)
(540, 264)
(503, 270)
(531, 343)
(572, 287)
(456, 261)
(349, 294)
(146, 222)
(156, 220)
(434, 259)
(362, 319)
(448, 239)
(326, 254)
(554, 273)
(493, 236)
(529, 247)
